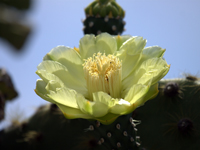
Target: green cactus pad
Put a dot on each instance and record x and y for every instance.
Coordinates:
(171, 121)
(48, 129)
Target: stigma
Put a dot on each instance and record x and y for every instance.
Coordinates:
(103, 73)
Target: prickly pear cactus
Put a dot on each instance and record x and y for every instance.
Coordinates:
(171, 121)
(48, 129)
(104, 16)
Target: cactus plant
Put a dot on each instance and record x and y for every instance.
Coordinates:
(171, 120)
(48, 129)
(104, 16)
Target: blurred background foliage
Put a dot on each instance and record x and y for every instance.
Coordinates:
(15, 31)
(12, 26)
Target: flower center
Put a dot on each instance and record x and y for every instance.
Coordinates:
(103, 73)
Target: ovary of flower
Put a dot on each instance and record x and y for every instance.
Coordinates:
(103, 73)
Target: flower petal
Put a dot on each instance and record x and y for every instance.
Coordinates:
(96, 108)
(69, 80)
(47, 57)
(68, 57)
(108, 118)
(116, 106)
(65, 55)
(103, 43)
(41, 91)
(53, 85)
(64, 96)
(46, 77)
(130, 53)
(122, 107)
(121, 39)
(155, 68)
(104, 98)
(152, 52)
(152, 93)
(136, 92)
(72, 113)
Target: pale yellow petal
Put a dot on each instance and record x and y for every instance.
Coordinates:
(41, 91)
(73, 113)
(64, 96)
(152, 69)
(103, 43)
(130, 54)
(67, 77)
(94, 108)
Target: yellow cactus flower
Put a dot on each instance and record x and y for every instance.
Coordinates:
(107, 76)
